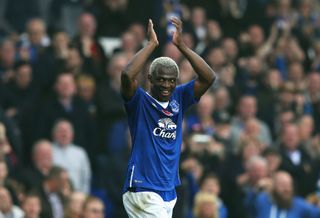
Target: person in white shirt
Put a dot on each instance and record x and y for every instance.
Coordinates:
(71, 157)
(7, 209)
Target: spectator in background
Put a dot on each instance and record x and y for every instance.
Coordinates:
(249, 148)
(295, 160)
(227, 78)
(274, 160)
(257, 180)
(230, 49)
(49, 193)
(198, 21)
(66, 187)
(189, 186)
(315, 60)
(251, 41)
(296, 74)
(251, 76)
(74, 205)
(7, 60)
(247, 108)
(71, 157)
(66, 105)
(114, 164)
(88, 46)
(34, 41)
(223, 131)
(214, 33)
(109, 91)
(274, 79)
(74, 63)
(216, 58)
(223, 102)
(285, 11)
(287, 50)
(139, 32)
(63, 14)
(281, 200)
(312, 96)
(252, 130)
(7, 208)
(32, 175)
(235, 175)
(210, 183)
(186, 71)
(205, 206)
(189, 39)
(290, 98)
(86, 90)
(51, 61)
(10, 184)
(93, 208)
(306, 129)
(31, 206)
(202, 120)
(208, 152)
(306, 27)
(193, 167)
(267, 96)
(169, 50)
(129, 44)
(19, 96)
(7, 151)
(212, 38)
(283, 119)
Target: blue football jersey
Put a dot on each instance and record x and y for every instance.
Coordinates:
(156, 134)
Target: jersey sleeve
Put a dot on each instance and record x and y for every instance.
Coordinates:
(187, 94)
(132, 103)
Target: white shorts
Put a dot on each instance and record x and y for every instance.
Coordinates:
(147, 204)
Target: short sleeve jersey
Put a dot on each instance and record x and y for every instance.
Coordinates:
(156, 134)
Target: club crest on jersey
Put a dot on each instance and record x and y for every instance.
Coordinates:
(174, 106)
(166, 129)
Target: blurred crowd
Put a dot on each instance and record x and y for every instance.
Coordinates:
(251, 145)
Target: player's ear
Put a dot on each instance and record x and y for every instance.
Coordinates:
(150, 78)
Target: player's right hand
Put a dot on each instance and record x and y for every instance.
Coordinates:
(177, 35)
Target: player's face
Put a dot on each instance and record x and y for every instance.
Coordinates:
(163, 84)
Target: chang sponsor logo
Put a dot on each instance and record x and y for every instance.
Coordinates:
(166, 129)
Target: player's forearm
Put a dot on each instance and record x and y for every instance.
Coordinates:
(135, 66)
(202, 69)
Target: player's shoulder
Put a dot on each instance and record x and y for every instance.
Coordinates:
(186, 85)
(139, 92)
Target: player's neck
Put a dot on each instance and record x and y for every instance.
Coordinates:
(164, 104)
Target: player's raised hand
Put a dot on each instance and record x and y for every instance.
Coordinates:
(177, 35)
(152, 36)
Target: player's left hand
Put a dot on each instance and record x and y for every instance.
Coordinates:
(152, 36)
(177, 35)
